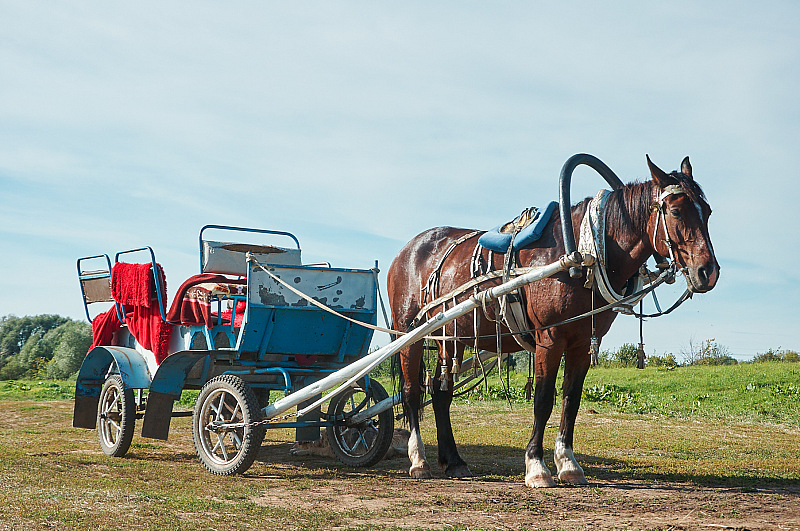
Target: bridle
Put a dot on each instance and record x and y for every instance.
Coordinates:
(659, 205)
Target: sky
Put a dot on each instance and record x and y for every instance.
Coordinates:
(357, 125)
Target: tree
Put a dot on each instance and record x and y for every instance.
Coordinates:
(70, 350)
(28, 344)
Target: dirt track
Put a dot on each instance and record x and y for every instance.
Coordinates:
(609, 503)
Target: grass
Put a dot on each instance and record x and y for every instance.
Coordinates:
(727, 427)
(756, 392)
(748, 392)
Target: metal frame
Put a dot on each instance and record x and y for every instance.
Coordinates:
(156, 281)
(89, 276)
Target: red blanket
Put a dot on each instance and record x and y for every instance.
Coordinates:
(192, 303)
(133, 285)
(103, 328)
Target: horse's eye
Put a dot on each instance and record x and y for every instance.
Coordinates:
(675, 213)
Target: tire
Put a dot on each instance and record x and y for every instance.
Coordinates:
(116, 417)
(364, 444)
(228, 399)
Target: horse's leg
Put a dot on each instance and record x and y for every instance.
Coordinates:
(546, 363)
(576, 365)
(412, 395)
(449, 460)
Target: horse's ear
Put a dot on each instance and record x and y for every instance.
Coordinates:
(686, 168)
(661, 179)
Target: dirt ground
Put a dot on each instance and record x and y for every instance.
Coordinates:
(611, 503)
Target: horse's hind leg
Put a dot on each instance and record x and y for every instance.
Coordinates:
(449, 460)
(412, 402)
(576, 366)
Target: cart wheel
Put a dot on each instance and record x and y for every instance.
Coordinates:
(366, 443)
(222, 439)
(116, 417)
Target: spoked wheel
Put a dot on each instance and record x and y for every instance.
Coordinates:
(365, 443)
(225, 442)
(116, 417)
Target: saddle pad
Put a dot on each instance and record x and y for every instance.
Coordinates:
(498, 241)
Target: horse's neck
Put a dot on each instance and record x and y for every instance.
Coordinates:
(627, 242)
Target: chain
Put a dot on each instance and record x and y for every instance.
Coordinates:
(219, 426)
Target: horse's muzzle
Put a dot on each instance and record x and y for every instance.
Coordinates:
(704, 278)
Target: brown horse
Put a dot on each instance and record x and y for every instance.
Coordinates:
(637, 216)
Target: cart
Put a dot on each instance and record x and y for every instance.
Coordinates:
(242, 332)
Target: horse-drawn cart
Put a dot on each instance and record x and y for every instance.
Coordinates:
(257, 321)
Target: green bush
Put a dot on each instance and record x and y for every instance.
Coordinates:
(667, 361)
(624, 356)
(777, 355)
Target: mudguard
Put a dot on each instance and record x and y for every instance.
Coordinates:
(132, 368)
(166, 387)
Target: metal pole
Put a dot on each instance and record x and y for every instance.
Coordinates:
(358, 369)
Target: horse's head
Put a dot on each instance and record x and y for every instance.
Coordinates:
(680, 229)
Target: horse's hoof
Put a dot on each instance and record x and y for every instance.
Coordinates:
(572, 477)
(458, 471)
(420, 472)
(540, 482)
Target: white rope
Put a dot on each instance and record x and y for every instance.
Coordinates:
(315, 302)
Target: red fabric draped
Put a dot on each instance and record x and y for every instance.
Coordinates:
(103, 328)
(133, 286)
(193, 306)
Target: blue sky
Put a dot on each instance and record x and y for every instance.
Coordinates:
(356, 125)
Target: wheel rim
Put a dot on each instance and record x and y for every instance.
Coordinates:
(356, 441)
(221, 447)
(111, 413)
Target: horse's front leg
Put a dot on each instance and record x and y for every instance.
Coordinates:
(449, 460)
(412, 403)
(546, 362)
(576, 366)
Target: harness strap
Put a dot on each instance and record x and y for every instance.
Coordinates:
(432, 287)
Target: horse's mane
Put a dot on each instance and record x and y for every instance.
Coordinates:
(629, 206)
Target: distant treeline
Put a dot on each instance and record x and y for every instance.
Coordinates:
(42, 346)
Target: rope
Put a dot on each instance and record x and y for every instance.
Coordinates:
(316, 302)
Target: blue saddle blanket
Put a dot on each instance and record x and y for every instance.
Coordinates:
(532, 222)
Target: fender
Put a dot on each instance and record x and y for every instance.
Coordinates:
(132, 368)
(166, 387)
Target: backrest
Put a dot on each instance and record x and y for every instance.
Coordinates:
(95, 283)
(228, 258)
(96, 286)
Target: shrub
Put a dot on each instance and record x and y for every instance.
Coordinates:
(624, 356)
(777, 355)
(668, 361)
(709, 352)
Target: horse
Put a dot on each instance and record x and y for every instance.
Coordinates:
(666, 215)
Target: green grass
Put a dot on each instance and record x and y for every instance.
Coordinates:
(747, 392)
(753, 392)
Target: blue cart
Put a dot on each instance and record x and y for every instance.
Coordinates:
(245, 330)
